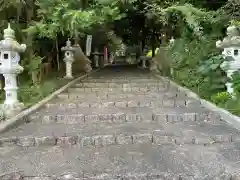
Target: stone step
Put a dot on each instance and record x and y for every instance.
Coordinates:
(164, 102)
(127, 110)
(90, 134)
(130, 176)
(123, 95)
(122, 90)
(124, 81)
(119, 85)
(109, 115)
(196, 162)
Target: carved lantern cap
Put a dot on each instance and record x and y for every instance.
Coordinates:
(9, 43)
(9, 33)
(68, 46)
(232, 39)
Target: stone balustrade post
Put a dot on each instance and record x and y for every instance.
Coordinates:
(231, 54)
(10, 68)
(68, 58)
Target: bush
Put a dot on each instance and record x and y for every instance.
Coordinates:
(196, 65)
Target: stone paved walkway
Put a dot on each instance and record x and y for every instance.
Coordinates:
(121, 124)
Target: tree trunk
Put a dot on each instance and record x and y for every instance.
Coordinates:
(57, 49)
(153, 42)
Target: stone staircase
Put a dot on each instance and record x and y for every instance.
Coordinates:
(121, 124)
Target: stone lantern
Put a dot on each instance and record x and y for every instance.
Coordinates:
(231, 54)
(68, 59)
(9, 67)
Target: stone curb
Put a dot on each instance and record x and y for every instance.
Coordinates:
(119, 117)
(157, 137)
(165, 103)
(127, 176)
(19, 118)
(231, 119)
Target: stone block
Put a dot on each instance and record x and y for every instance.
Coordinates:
(132, 104)
(168, 103)
(27, 141)
(203, 140)
(105, 117)
(12, 176)
(184, 140)
(88, 90)
(68, 177)
(115, 85)
(63, 96)
(187, 117)
(120, 104)
(127, 89)
(85, 141)
(160, 118)
(162, 138)
(45, 141)
(107, 104)
(222, 138)
(193, 102)
(235, 138)
(80, 90)
(67, 140)
(175, 118)
(95, 89)
(142, 138)
(104, 140)
(179, 103)
(119, 118)
(124, 139)
(9, 141)
(135, 177)
(72, 105)
(96, 105)
(39, 178)
(93, 118)
(48, 119)
(133, 117)
(204, 116)
(145, 103)
(144, 89)
(163, 176)
(83, 105)
(70, 119)
(235, 176)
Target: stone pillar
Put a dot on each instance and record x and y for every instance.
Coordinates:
(231, 54)
(10, 68)
(96, 59)
(68, 59)
(144, 63)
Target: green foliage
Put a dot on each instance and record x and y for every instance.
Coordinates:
(196, 66)
(66, 17)
(221, 98)
(236, 83)
(34, 63)
(31, 94)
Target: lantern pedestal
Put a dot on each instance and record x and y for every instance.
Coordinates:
(68, 70)
(11, 104)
